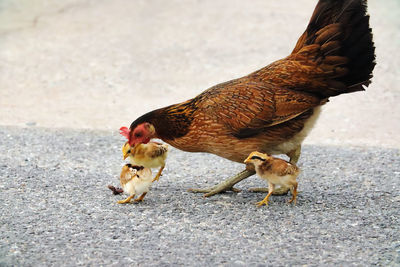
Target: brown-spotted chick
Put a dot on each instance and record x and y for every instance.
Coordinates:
(276, 171)
(135, 181)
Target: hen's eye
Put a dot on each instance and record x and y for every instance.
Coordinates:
(138, 134)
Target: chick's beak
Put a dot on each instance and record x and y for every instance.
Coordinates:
(125, 155)
(247, 160)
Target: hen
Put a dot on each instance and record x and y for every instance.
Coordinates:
(273, 109)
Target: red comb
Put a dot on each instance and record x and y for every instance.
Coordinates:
(124, 131)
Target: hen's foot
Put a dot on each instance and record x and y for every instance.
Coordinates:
(277, 192)
(210, 189)
(226, 185)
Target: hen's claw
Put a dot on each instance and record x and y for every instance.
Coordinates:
(277, 192)
(225, 185)
(210, 189)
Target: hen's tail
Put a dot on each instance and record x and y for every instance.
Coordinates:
(335, 55)
(340, 40)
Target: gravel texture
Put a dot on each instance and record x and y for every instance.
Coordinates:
(56, 208)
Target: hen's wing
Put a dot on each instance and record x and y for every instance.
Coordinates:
(247, 107)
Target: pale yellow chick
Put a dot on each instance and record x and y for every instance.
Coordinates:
(150, 155)
(276, 171)
(135, 180)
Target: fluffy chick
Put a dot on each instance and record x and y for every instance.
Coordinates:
(276, 171)
(135, 180)
(150, 155)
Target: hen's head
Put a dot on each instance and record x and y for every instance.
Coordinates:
(141, 134)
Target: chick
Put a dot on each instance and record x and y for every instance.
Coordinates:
(276, 171)
(135, 180)
(150, 155)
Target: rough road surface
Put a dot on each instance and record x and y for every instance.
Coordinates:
(56, 208)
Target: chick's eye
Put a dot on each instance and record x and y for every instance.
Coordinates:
(256, 157)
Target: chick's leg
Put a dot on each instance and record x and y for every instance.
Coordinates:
(127, 200)
(159, 173)
(294, 193)
(141, 197)
(265, 200)
(225, 185)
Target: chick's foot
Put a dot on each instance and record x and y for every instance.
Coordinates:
(140, 199)
(226, 185)
(127, 200)
(263, 202)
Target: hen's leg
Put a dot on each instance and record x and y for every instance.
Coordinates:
(294, 156)
(159, 173)
(225, 185)
(127, 200)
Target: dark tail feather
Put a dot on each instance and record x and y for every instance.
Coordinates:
(340, 31)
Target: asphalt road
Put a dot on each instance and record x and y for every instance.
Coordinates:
(56, 208)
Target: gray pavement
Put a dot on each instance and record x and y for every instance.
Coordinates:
(56, 208)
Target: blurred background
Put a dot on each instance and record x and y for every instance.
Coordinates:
(99, 64)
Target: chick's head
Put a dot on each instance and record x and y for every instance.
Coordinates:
(257, 158)
(128, 171)
(126, 150)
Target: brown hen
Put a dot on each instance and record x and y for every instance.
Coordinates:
(273, 109)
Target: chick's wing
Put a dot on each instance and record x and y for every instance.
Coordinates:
(155, 149)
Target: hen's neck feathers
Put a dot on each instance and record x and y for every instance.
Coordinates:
(170, 122)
